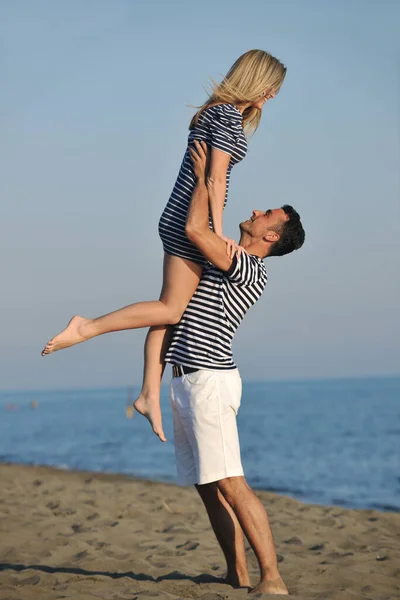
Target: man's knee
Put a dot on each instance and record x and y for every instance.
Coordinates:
(232, 488)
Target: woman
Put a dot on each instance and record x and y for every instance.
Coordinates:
(233, 108)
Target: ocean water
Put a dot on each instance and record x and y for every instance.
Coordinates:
(327, 442)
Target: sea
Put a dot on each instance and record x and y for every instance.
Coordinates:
(330, 442)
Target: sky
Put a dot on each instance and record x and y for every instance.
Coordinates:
(96, 97)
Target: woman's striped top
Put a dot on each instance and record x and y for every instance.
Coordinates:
(221, 127)
(203, 337)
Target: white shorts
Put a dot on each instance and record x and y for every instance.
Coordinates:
(204, 406)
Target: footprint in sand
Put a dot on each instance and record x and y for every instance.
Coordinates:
(317, 547)
(93, 516)
(296, 541)
(188, 545)
(176, 528)
(81, 555)
(34, 580)
(97, 545)
(335, 555)
(60, 541)
(65, 512)
(146, 546)
(79, 528)
(117, 555)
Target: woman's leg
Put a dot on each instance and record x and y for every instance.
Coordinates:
(180, 282)
(148, 402)
(181, 277)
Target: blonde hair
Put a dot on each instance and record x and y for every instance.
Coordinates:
(254, 72)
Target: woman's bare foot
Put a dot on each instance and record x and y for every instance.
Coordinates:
(271, 586)
(149, 407)
(74, 333)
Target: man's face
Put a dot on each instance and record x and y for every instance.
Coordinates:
(263, 221)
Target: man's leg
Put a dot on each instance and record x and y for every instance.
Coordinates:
(228, 533)
(254, 521)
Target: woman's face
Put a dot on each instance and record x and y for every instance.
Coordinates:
(267, 95)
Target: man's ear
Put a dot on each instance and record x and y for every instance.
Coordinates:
(271, 236)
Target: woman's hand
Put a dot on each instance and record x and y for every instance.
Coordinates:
(232, 247)
(200, 160)
(199, 156)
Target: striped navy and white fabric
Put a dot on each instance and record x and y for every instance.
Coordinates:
(203, 337)
(221, 127)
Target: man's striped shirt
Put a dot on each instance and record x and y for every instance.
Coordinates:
(203, 337)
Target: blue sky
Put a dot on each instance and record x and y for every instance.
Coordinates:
(94, 110)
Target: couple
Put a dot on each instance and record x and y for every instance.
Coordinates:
(223, 281)
(206, 385)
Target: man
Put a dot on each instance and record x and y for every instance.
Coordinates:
(206, 385)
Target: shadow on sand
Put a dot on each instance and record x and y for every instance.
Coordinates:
(174, 576)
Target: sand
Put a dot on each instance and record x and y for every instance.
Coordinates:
(82, 535)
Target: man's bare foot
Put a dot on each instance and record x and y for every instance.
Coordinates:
(271, 586)
(74, 333)
(149, 407)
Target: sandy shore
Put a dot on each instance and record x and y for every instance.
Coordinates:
(82, 535)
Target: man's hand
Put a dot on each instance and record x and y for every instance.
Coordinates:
(199, 156)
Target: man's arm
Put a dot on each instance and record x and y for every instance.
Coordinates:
(197, 224)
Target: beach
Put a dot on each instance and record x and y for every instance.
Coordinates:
(81, 535)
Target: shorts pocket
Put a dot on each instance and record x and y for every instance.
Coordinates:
(234, 389)
(200, 377)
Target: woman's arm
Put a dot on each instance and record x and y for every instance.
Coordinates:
(216, 185)
(197, 224)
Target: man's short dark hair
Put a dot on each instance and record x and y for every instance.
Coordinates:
(291, 234)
